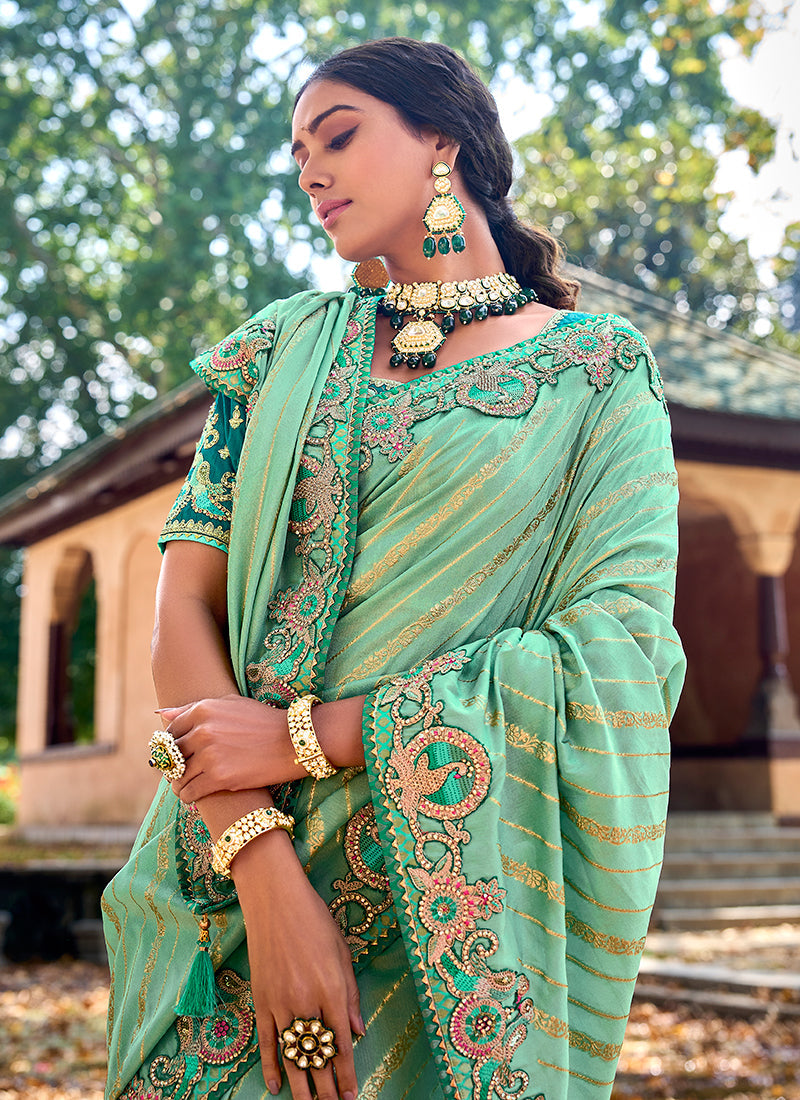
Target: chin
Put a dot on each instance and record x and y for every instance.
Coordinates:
(353, 254)
(354, 251)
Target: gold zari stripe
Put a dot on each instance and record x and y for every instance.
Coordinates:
(613, 834)
(560, 1029)
(533, 878)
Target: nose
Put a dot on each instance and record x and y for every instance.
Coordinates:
(314, 177)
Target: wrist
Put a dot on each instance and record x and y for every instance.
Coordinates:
(266, 858)
(338, 726)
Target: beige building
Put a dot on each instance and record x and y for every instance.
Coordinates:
(90, 526)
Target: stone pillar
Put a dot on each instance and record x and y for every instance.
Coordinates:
(775, 714)
(763, 507)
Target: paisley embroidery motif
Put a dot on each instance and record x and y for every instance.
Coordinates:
(230, 366)
(211, 1050)
(202, 887)
(363, 906)
(504, 383)
(204, 504)
(433, 780)
(302, 611)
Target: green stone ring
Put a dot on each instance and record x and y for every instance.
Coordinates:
(166, 756)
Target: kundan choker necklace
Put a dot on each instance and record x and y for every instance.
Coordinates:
(412, 307)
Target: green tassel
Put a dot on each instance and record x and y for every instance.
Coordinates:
(199, 997)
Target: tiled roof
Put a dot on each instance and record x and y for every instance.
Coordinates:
(702, 368)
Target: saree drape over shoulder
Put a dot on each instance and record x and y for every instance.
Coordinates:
(488, 553)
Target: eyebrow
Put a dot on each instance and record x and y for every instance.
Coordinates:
(316, 122)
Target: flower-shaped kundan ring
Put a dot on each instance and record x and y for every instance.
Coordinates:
(166, 756)
(308, 1043)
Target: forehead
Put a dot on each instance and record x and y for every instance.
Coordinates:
(331, 98)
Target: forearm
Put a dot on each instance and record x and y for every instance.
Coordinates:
(190, 661)
(246, 745)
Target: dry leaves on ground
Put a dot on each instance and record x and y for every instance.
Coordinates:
(52, 1019)
(681, 1053)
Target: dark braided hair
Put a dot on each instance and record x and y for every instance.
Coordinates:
(433, 88)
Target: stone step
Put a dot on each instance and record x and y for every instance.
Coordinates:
(673, 918)
(718, 1001)
(723, 819)
(730, 865)
(707, 975)
(714, 839)
(689, 893)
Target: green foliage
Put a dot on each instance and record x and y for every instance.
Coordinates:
(81, 667)
(8, 809)
(148, 202)
(640, 209)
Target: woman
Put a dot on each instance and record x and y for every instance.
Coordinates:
(453, 521)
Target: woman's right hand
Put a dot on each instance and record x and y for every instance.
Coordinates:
(300, 965)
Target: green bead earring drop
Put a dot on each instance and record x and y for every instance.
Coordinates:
(443, 217)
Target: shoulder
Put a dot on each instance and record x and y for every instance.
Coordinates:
(235, 365)
(605, 345)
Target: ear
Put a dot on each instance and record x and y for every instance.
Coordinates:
(447, 150)
(442, 147)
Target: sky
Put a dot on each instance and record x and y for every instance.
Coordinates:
(770, 81)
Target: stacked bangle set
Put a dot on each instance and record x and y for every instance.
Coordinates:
(309, 755)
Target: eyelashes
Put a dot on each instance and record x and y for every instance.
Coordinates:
(342, 139)
(334, 145)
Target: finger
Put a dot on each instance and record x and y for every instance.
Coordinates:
(298, 1082)
(343, 1061)
(199, 787)
(354, 1004)
(168, 713)
(325, 1083)
(268, 1046)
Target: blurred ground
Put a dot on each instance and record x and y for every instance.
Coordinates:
(52, 1018)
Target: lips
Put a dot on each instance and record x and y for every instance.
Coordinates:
(328, 211)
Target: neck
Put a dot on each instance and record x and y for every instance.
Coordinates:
(481, 257)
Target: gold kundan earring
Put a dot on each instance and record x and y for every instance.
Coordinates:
(444, 216)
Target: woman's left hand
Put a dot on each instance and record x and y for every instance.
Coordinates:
(231, 743)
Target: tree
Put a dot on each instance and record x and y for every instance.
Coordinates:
(148, 201)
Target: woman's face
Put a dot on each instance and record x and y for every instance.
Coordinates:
(367, 175)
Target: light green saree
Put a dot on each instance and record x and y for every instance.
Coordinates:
(488, 553)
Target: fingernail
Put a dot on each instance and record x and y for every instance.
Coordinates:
(362, 1025)
(349, 1096)
(274, 1087)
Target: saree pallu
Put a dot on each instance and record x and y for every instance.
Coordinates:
(488, 554)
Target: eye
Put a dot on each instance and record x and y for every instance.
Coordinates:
(342, 139)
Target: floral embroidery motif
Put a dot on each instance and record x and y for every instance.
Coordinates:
(230, 365)
(498, 386)
(210, 1051)
(433, 780)
(324, 495)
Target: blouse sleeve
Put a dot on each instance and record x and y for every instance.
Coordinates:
(202, 510)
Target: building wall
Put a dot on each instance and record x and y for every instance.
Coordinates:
(108, 781)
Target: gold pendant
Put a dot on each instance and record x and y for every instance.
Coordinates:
(445, 214)
(418, 337)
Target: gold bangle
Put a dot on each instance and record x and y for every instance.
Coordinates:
(301, 730)
(244, 830)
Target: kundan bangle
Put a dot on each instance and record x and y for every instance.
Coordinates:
(301, 730)
(244, 830)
